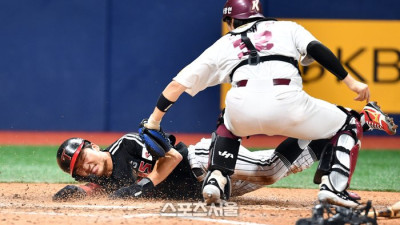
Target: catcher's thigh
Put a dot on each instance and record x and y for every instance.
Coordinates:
(294, 114)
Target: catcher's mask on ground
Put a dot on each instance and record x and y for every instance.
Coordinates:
(68, 153)
(242, 9)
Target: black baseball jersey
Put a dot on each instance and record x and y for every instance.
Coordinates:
(131, 162)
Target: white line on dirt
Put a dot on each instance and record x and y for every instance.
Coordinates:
(69, 206)
(83, 214)
(142, 215)
(23, 205)
(222, 221)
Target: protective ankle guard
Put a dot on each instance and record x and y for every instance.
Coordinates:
(223, 154)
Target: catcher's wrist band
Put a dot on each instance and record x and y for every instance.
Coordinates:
(163, 104)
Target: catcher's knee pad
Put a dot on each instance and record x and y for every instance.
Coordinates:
(339, 157)
(352, 124)
(223, 154)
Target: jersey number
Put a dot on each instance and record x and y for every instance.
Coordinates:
(260, 39)
(145, 167)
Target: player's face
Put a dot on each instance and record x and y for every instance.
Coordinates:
(91, 161)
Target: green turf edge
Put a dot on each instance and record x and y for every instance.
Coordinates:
(377, 170)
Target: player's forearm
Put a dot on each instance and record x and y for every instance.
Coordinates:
(164, 166)
(350, 82)
(174, 90)
(171, 93)
(326, 58)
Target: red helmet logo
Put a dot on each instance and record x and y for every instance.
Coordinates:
(65, 156)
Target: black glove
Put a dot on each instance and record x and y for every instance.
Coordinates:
(133, 191)
(156, 141)
(69, 192)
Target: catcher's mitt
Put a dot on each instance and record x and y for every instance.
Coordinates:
(156, 141)
(326, 214)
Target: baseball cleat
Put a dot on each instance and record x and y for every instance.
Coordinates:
(212, 194)
(328, 195)
(213, 188)
(376, 119)
(353, 195)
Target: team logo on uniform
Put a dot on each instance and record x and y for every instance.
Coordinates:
(225, 154)
(146, 154)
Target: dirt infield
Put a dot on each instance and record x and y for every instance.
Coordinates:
(22, 203)
(31, 204)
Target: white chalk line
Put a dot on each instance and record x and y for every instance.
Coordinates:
(106, 207)
(69, 206)
(83, 214)
(141, 215)
(222, 221)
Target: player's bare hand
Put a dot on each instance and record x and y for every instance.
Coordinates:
(363, 92)
(152, 124)
(362, 89)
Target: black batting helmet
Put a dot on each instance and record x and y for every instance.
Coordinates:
(68, 153)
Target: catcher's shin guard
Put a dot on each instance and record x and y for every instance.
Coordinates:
(345, 159)
(343, 155)
(339, 158)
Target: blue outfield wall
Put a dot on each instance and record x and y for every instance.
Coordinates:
(339, 9)
(100, 65)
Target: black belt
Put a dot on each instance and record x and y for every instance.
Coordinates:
(278, 81)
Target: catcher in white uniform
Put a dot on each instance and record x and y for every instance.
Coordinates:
(259, 58)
